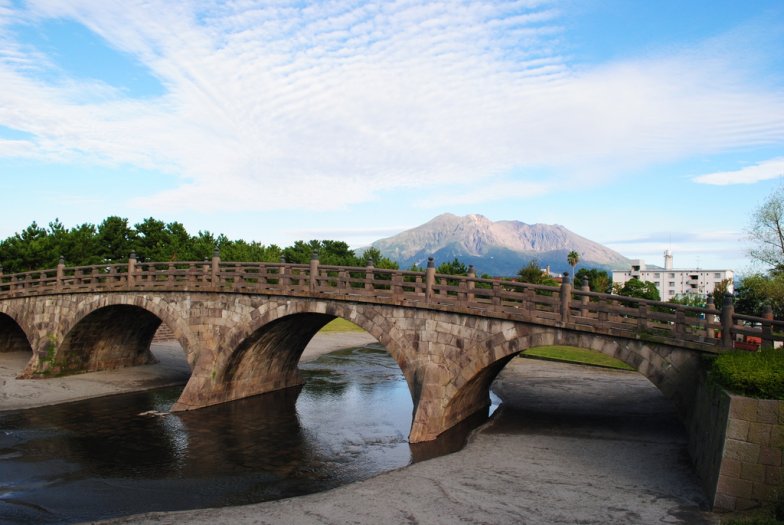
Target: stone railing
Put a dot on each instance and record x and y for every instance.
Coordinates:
(564, 306)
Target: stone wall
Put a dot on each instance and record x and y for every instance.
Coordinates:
(736, 445)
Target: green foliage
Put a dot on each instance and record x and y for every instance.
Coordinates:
(373, 255)
(754, 374)
(116, 240)
(572, 258)
(452, 268)
(767, 231)
(689, 299)
(640, 289)
(756, 291)
(328, 252)
(31, 249)
(598, 280)
(532, 273)
(153, 240)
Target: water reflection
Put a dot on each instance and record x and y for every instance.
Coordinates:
(101, 458)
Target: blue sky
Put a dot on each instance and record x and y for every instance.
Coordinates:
(641, 125)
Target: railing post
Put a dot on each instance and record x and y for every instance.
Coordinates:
(709, 305)
(642, 317)
(767, 328)
(282, 273)
(586, 287)
(314, 265)
(430, 278)
(131, 269)
(397, 287)
(727, 315)
(60, 272)
(205, 269)
(566, 297)
(369, 275)
(471, 284)
(216, 268)
(680, 322)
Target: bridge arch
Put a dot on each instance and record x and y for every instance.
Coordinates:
(103, 332)
(109, 337)
(260, 354)
(671, 369)
(13, 338)
(159, 307)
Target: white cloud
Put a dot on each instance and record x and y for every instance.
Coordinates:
(272, 104)
(770, 169)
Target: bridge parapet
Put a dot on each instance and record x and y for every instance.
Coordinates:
(707, 329)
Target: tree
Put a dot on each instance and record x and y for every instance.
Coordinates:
(689, 299)
(115, 239)
(374, 255)
(80, 246)
(32, 249)
(755, 292)
(767, 231)
(452, 268)
(151, 241)
(532, 273)
(328, 252)
(640, 289)
(598, 280)
(573, 258)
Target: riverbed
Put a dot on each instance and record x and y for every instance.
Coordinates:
(569, 444)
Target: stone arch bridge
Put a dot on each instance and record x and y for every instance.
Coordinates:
(244, 326)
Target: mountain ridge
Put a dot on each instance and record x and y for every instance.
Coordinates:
(495, 248)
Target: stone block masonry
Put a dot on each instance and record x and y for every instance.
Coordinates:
(736, 444)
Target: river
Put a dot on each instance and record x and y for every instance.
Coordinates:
(125, 454)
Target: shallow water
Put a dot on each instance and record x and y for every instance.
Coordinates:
(101, 458)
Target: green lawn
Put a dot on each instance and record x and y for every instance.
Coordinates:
(341, 325)
(572, 354)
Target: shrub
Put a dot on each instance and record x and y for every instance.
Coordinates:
(754, 374)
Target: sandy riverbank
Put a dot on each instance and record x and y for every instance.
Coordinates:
(171, 369)
(574, 444)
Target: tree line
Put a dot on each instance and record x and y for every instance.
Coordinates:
(114, 239)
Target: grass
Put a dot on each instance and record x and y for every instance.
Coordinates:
(341, 325)
(572, 354)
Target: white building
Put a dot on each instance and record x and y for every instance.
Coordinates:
(671, 282)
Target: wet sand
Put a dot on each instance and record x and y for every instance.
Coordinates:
(573, 444)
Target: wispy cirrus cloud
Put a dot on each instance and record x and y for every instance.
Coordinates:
(285, 104)
(770, 169)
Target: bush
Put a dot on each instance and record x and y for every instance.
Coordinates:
(754, 374)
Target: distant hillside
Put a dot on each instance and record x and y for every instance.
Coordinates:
(495, 248)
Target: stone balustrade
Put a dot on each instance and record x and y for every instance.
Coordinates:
(707, 329)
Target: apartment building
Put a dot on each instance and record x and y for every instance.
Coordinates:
(673, 282)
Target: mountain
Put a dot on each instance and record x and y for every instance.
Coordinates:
(495, 248)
